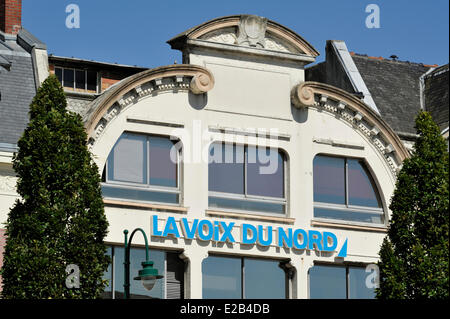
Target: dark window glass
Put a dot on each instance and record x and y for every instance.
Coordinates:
(327, 282)
(92, 80)
(265, 172)
(264, 279)
(80, 79)
(332, 282)
(357, 284)
(69, 78)
(163, 168)
(329, 179)
(361, 188)
(137, 256)
(222, 278)
(127, 162)
(59, 74)
(226, 168)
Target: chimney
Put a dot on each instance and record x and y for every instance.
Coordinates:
(10, 16)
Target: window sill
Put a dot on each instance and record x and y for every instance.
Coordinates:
(154, 207)
(226, 214)
(349, 225)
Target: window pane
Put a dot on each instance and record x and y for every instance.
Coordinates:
(58, 73)
(221, 278)
(361, 187)
(265, 172)
(107, 294)
(80, 79)
(226, 168)
(327, 282)
(127, 162)
(329, 179)
(68, 78)
(92, 80)
(139, 194)
(264, 279)
(243, 204)
(163, 171)
(365, 217)
(137, 256)
(357, 284)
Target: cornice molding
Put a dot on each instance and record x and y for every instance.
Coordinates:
(274, 31)
(355, 112)
(178, 77)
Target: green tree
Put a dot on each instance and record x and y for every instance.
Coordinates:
(414, 257)
(60, 217)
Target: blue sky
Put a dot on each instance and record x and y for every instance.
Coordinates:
(135, 32)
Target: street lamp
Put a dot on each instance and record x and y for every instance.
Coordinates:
(148, 275)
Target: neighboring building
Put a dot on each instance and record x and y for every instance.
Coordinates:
(392, 88)
(84, 80)
(181, 150)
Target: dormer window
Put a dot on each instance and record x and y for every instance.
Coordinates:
(77, 80)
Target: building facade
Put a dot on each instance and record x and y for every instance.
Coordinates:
(252, 175)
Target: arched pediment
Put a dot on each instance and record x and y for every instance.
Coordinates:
(247, 31)
(180, 77)
(349, 108)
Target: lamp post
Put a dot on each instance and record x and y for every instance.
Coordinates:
(148, 275)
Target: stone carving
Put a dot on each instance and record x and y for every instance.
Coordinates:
(201, 83)
(220, 36)
(274, 45)
(252, 31)
(302, 96)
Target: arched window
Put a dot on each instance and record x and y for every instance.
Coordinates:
(143, 168)
(247, 178)
(345, 190)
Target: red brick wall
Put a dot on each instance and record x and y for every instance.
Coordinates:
(10, 16)
(2, 249)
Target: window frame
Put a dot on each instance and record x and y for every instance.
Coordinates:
(248, 197)
(381, 211)
(148, 186)
(347, 267)
(112, 277)
(242, 259)
(74, 88)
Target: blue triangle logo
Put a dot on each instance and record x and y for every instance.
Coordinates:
(343, 251)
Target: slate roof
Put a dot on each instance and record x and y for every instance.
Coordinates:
(395, 88)
(436, 95)
(17, 86)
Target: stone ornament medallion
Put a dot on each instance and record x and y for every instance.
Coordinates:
(252, 31)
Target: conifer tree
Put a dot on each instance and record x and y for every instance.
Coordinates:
(60, 217)
(414, 257)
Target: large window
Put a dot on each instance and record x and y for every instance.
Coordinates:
(168, 264)
(345, 190)
(339, 282)
(143, 168)
(77, 80)
(247, 178)
(243, 278)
